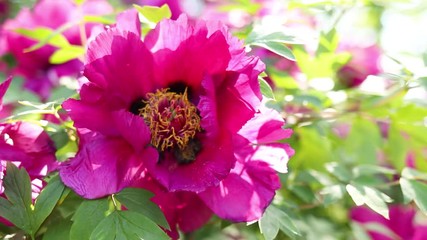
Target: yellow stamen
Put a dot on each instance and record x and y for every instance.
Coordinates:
(172, 118)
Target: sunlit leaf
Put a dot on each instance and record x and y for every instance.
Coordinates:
(107, 20)
(153, 14)
(278, 37)
(44, 36)
(373, 198)
(371, 169)
(416, 191)
(275, 219)
(47, 200)
(138, 200)
(339, 171)
(333, 193)
(278, 48)
(265, 88)
(66, 54)
(17, 208)
(127, 225)
(87, 217)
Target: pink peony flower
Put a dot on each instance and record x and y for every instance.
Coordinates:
(364, 62)
(26, 145)
(34, 66)
(402, 224)
(183, 105)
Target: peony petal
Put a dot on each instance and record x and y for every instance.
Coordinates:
(401, 220)
(120, 63)
(208, 108)
(420, 233)
(244, 194)
(183, 209)
(103, 166)
(30, 145)
(159, 37)
(92, 116)
(129, 21)
(189, 63)
(133, 129)
(3, 88)
(276, 155)
(211, 165)
(265, 127)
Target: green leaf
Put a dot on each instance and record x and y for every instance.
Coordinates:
(87, 217)
(153, 14)
(363, 142)
(304, 192)
(278, 48)
(312, 145)
(332, 193)
(423, 81)
(324, 65)
(265, 88)
(17, 207)
(339, 171)
(107, 20)
(127, 225)
(373, 198)
(275, 219)
(17, 93)
(138, 200)
(416, 191)
(359, 232)
(45, 36)
(60, 138)
(66, 54)
(328, 42)
(410, 173)
(58, 230)
(258, 36)
(365, 169)
(47, 200)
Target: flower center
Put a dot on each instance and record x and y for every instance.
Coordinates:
(173, 120)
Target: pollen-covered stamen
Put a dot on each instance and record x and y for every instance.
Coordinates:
(172, 118)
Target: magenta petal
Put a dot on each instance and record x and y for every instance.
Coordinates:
(92, 116)
(211, 165)
(188, 65)
(120, 63)
(183, 209)
(401, 221)
(247, 84)
(103, 166)
(133, 129)
(11, 153)
(3, 88)
(129, 21)
(159, 37)
(244, 194)
(208, 108)
(276, 155)
(30, 145)
(241, 92)
(265, 127)
(420, 233)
